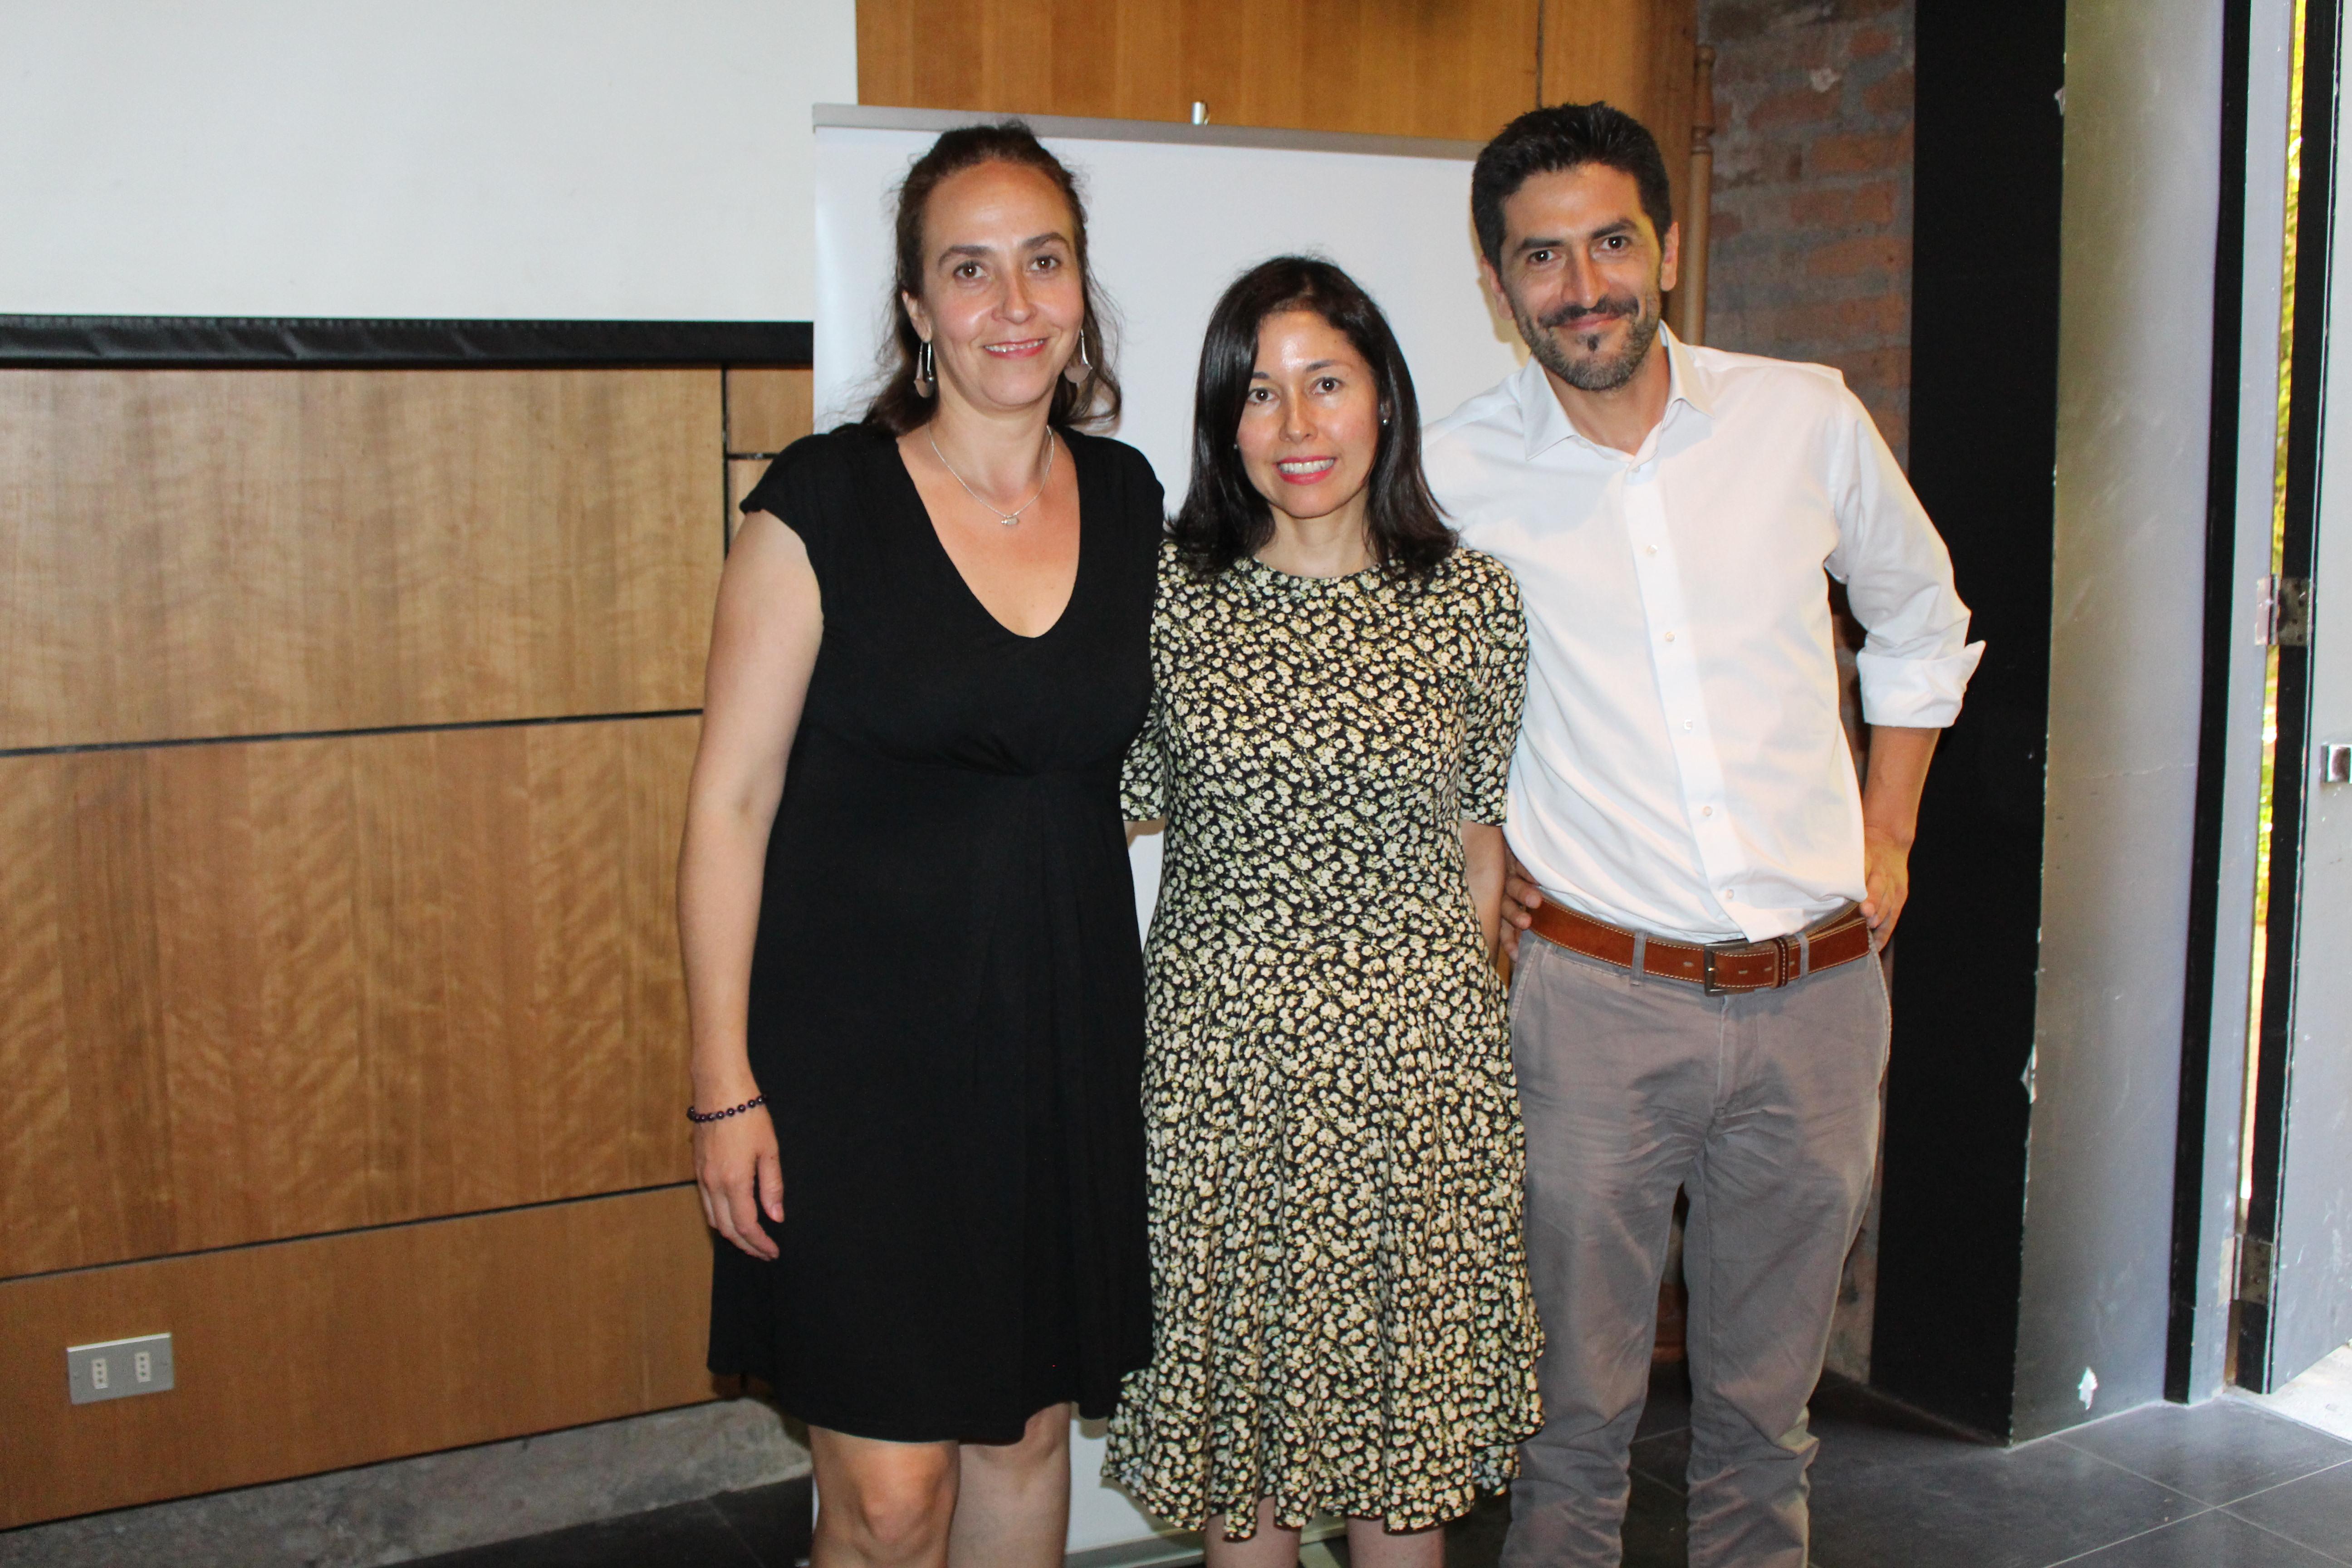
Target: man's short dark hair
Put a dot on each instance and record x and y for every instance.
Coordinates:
(1565, 136)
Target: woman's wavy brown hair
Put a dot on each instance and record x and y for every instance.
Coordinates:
(1090, 402)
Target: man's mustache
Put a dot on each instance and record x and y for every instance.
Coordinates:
(1608, 305)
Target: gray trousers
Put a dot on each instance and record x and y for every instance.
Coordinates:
(1765, 1107)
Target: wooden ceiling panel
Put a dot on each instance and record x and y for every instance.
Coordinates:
(1402, 68)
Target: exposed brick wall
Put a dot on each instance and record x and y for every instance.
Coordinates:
(1810, 258)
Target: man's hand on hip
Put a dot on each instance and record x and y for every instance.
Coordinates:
(1886, 882)
(1890, 818)
(1520, 897)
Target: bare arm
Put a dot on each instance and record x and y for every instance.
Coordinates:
(763, 644)
(1483, 855)
(1890, 819)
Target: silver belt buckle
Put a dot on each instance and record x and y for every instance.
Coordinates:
(1781, 975)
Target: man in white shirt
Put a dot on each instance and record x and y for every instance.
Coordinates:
(1701, 1007)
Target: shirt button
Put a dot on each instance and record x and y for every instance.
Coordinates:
(1686, 723)
(1706, 811)
(1670, 637)
(1649, 549)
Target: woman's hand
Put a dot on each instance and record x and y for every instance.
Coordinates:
(763, 647)
(740, 1177)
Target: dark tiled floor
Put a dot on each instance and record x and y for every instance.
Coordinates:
(2220, 1486)
(767, 1527)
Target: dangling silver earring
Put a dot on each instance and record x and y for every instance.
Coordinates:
(1078, 368)
(1085, 360)
(926, 379)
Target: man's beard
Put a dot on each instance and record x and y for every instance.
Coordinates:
(1595, 372)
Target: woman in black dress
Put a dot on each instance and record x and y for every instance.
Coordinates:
(903, 899)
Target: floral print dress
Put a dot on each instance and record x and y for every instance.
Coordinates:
(1343, 1320)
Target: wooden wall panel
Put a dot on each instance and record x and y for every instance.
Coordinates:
(343, 1350)
(205, 553)
(264, 989)
(1408, 68)
(767, 410)
(37, 1050)
(1640, 55)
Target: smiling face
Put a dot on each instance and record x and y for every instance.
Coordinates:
(1584, 273)
(1311, 419)
(1002, 300)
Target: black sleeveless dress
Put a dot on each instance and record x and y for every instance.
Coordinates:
(947, 994)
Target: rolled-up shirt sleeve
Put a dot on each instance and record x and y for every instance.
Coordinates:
(1916, 662)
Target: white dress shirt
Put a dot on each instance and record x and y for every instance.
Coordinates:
(1682, 768)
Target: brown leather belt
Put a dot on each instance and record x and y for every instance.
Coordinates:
(1764, 966)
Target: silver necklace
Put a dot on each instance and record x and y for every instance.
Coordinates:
(1007, 517)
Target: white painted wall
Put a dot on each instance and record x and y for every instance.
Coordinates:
(530, 159)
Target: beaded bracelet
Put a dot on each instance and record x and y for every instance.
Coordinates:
(700, 1117)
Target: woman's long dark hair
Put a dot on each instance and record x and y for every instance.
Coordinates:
(1090, 402)
(1224, 517)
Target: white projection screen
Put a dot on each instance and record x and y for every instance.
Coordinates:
(1175, 213)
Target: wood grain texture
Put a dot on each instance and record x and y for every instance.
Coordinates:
(1643, 57)
(1640, 55)
(196, 553)
(1408, 68)
(315, 1355)
(767, 410)
(1636, 54)
(265, 989)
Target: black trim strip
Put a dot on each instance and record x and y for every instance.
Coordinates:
(257, 1242)
(2213, 722)
(346, 734)
(127, 342)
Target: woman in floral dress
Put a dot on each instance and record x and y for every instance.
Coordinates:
(1342, 1319)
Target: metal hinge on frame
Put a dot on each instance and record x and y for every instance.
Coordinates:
(2282, 611)
(2255, 1257)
